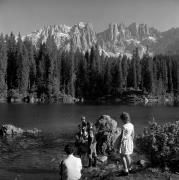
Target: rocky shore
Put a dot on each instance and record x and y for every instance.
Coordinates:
(106, 171)
(31, 155)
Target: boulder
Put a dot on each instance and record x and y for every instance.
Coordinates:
(143, 163)
(13, 130)
(102, 159)
(107, 134)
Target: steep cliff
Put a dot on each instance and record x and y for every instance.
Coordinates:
(116, 39)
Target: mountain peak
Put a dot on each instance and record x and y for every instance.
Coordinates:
(116, 39)
(82, 24)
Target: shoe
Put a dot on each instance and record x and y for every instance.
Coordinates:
(124, 173)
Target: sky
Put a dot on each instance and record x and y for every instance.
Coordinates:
(26, 16)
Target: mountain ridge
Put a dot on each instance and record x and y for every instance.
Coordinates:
(116, 39)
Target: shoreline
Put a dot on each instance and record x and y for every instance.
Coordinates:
(168, 99)
(104, 172)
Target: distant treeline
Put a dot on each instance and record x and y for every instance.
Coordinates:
(45, 71)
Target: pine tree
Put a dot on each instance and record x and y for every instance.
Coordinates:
(3, 67)
(107, 77)
(116, 73)
(52, 83)
(11, 62)
(32, 65)
(22, 67)
(41, 76)
(72, 74)
(164, 73)
(81, 77)
(124, 65)
(169, 70)
(134, 70)
(146, 73)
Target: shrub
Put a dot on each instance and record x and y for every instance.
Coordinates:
(160, 143)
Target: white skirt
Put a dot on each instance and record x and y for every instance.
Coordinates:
(127, 146)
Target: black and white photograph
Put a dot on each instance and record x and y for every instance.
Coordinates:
(89, 89)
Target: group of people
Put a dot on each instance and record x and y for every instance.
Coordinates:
(70, 168)
(86, 141)
(83, 133)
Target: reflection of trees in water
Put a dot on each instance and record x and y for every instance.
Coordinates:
(27, 152)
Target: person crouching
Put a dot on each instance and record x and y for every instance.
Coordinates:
(70, 168)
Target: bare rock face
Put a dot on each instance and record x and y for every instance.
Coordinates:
(107, 134)
(143, 31)
(133, 28)
(115, 40)
(80, 36)
(121, 39)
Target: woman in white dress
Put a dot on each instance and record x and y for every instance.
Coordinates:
(126, 142)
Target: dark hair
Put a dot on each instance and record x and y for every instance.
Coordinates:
(68, 149)
(125, 117)
(83, 118)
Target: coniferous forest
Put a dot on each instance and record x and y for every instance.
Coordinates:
(46, 72)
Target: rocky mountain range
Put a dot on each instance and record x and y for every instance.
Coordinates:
(116, 39)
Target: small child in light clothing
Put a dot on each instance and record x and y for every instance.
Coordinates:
(70, 168)
(126, 142)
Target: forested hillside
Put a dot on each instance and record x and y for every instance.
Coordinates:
(45, 71)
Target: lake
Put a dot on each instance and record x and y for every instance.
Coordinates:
(30, 157)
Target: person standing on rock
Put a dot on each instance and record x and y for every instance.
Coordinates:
(70, 168)
(126, 142)
(83, 122)
(92, 146)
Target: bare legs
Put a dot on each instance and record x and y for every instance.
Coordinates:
(129, 162)
(126, 161)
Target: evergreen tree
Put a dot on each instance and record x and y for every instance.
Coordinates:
(32, 65)
(3, 67)
(169, 70)
(52, 83)
(133, 70)
(107, 77)
(137, 84)
(146, 73)
(124, 66)
(81, 77)
(164, 73)
(116, 76)
(22, 67)
(11, 62)
(41, 71)
(72, 74)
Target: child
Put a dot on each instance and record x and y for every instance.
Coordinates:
(126, 142)
(70, 168)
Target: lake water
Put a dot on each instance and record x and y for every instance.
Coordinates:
(30, 157)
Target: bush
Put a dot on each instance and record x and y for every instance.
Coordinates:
(160, 143)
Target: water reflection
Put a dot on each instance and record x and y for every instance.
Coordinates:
(30, 153)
